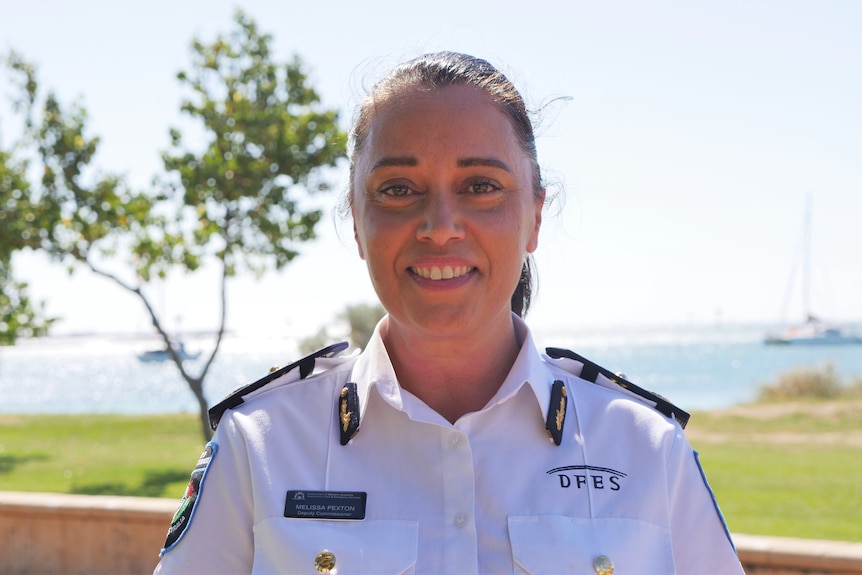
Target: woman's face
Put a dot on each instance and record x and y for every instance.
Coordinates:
(444, 211)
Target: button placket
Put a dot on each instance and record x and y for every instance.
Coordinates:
(459, 481)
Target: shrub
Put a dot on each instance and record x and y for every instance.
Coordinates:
(803, 383)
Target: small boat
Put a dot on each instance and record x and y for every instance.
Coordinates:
(157, 355)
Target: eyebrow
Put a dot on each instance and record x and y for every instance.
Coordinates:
(488, 162)
(410, 161)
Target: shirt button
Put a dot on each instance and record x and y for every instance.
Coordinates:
(324, 562)
(460, 520)
(455, 441)
(603, 565)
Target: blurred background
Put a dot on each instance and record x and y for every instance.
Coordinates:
(686, 145)
(706, 164)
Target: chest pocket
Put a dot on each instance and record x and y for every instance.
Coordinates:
(298, 546)
(553, 544)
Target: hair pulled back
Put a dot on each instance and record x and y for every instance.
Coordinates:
(440, 70)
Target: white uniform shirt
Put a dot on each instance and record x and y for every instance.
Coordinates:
(489, 494)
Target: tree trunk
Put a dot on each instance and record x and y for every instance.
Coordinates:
(196, 385)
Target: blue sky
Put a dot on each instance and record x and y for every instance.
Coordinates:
(689, 139)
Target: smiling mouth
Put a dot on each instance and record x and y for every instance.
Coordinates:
(442, 272)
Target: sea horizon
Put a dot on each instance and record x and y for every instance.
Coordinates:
(697, 367)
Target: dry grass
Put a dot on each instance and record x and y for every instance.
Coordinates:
(809, 383)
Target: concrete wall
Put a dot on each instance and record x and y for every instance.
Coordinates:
(49, 533)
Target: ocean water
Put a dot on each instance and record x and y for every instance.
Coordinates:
(696, 368)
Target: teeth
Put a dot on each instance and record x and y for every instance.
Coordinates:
(445, 273)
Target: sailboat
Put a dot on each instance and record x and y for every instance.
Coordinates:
(164, 354)
(813, 331)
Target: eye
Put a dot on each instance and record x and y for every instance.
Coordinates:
(395, 190)
(483, 187)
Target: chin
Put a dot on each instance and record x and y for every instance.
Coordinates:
(447, 321)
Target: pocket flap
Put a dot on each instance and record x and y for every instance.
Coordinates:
(357, 547)
(548, 544)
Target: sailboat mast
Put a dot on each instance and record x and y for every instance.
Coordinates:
(806, 261)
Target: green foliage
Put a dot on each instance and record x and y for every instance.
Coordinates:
(242, 201)
(314, 342)
(268, 136)
(360, 319)
(19, 316)
(72, 211)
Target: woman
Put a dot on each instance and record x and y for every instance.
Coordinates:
(449, 445)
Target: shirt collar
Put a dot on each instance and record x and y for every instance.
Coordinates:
(373, 369)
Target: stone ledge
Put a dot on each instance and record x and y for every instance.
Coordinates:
(72, 504)
(792, 555)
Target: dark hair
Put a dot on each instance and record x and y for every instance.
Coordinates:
(440, 70)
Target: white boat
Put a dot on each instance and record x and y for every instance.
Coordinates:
(165, 355)
(813, 331)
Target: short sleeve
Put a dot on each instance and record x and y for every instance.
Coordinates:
(219, 535)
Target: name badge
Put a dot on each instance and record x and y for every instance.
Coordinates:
(345, 505)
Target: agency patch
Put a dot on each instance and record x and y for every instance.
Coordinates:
(185, 512)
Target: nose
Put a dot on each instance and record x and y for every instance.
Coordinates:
(441, 219)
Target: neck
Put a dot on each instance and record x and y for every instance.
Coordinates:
(453, 376)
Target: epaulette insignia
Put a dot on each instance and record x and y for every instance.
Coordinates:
(557, 412)
(348, 412)
(591, 371)
(305, 365)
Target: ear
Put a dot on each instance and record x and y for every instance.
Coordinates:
(356, 236)
(533, 240)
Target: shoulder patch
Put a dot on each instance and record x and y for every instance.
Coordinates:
(591, 372)
(185, 512)
(305, 365)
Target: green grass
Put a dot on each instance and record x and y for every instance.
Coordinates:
(790, 469)
(149, 456)
(783, 469)
(794, 492)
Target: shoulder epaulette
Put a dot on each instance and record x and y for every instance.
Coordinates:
(591, 371)
(305, 365)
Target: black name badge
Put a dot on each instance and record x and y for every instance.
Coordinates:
(345, 505)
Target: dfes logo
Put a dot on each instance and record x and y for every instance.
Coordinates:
(588, 476)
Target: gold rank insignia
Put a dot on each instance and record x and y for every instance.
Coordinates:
(557, 412)
(348, 412)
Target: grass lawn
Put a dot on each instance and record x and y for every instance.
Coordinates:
(148, 456)
(789, 469)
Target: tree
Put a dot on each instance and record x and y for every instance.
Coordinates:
(361, 319)
(19, 316)
(241, 202)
